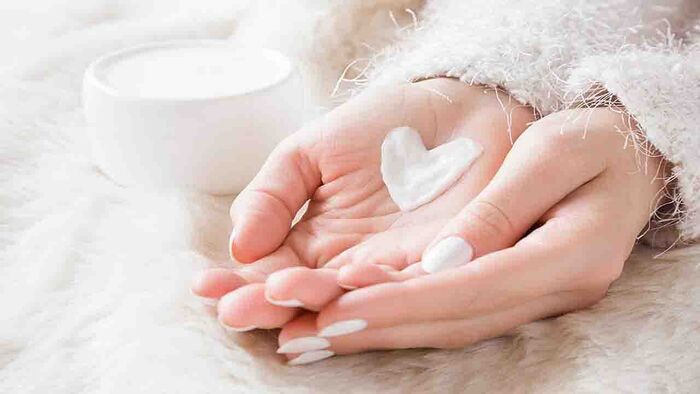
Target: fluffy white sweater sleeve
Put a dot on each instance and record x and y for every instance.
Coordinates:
(550, 53)
(660, 87)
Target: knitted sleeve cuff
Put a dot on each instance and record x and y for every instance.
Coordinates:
(661, 90)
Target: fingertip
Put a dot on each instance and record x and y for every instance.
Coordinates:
(199, 283)
(354, 276)
(261, 225)
(245, 246)
(280, 285)
(286, 279)
(264, 211)
(215, 282)
(303, 286)
(247, 307)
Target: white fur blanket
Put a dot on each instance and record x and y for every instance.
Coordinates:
(94, 278)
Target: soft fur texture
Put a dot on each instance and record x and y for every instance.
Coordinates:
(94, 278)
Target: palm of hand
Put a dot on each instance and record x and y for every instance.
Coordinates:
(351, 217)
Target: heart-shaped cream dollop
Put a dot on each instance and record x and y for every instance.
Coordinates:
(415, 175)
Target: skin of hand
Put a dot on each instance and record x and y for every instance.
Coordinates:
(577, 178)
(351, 218)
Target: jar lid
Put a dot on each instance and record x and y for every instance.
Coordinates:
(187, 70)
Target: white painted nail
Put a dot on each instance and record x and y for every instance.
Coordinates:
(292, 303)
(238, 329)
(449, 253)
(343, 327)
(311, 357)
(304, 344)
(230, 244)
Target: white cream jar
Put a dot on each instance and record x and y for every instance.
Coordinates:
(193, 114)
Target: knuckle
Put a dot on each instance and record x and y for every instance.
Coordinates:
(595, 295)
(613, 271)
(599, 279)
(602, 261)
(293, 151)
(576, 129)
(589, 297)
(554, 137)
(561, 133)
(612, 267)
(491, 220)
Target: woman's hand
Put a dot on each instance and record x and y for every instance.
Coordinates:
(578, 176)
(335, 163)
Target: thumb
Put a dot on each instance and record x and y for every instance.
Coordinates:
(480, 228)
(262, 213)
(525, 187)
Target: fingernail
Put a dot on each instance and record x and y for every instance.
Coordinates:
(304, 344)
(449, 253)
(290, 303)
(347, 287)
(230, 243)
(310, 357)
(238, 329)
(343, 327)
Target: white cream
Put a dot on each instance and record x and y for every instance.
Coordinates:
(415, 175)
(191, 72)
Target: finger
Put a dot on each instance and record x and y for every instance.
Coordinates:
(397, 247)
(246, 308)
(303, 287)
(214, 283)
(550, 259)
(523, 189)
(531, 269)
(573, 248)
(354, 276)
(300, 343)
(262, 213)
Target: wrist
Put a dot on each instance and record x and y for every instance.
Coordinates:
(480, 108)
